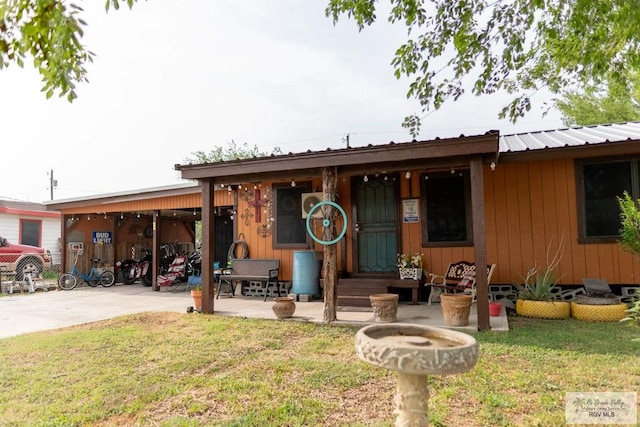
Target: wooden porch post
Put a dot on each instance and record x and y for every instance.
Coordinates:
(208, 247)
(63, 244)
(479, 242)
(330, 272)
(155, 254)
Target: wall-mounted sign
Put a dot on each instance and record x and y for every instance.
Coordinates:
(102, 237)
(410, 210)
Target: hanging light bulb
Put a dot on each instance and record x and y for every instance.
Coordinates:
(293, 182)
(453, 170)
(366, 178)
(138, 215)
(194, 211)
(121, 215)
(408, 175)
(493, 166)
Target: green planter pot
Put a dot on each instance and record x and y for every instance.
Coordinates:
(543, 309)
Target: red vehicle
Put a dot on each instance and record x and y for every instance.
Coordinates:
(23, 258)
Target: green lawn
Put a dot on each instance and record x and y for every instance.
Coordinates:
(171, 369)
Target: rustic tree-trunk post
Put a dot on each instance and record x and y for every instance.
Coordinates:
(329, 270)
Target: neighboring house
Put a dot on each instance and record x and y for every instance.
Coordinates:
(28, 223)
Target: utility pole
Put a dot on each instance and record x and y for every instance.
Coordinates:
(52, 183)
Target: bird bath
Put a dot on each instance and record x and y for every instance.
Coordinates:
(415, 351)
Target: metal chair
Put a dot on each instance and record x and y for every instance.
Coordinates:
(459, 277)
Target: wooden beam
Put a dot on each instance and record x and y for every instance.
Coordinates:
(381, 155)
(479, 242)
(208, 247)
(330, 289)
(155, 254)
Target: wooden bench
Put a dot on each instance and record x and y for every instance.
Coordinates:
(251, 270)
(459, 277)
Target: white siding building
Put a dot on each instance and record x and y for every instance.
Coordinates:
(32, 224)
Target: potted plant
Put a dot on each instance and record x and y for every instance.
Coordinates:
(410, 266)
(538, 292)
(630, 242)
(196, 294)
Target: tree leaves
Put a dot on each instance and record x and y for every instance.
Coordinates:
(231, 151)
(520, 46)
(609, 102)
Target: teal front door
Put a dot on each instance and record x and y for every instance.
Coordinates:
(376, 226)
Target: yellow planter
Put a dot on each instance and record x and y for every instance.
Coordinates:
(599, 313)
(543, 309)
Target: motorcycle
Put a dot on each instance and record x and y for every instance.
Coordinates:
(132, 270)
(194, 263)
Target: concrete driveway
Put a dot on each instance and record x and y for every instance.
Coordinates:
(22, 313)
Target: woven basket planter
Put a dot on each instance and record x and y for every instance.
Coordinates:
(598, 313)
(410, 273)
(543, 309)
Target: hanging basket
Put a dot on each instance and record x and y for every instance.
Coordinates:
(410, 273)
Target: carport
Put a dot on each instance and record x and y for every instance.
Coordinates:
(121, 225)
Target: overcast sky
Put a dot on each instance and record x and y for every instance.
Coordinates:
(174, 77)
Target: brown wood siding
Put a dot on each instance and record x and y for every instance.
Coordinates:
(262, 247)
(530, 205)
(222, 198)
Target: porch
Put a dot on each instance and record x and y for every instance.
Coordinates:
(23, 313)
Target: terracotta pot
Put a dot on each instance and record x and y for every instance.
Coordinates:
(385, 307)
(283, 307)
(543, 309)
(197, 299)
(456, 308)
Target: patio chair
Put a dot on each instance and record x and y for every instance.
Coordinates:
(459, 277)
(174, 273)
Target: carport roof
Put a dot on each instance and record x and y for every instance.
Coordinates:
(126, 196)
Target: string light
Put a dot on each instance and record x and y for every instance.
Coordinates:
(293, 182)
(366, 178)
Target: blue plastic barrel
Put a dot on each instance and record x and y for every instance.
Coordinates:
(306, 272)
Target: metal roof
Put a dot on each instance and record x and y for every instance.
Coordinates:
(152, 192)
(570, 137)
(22, 205)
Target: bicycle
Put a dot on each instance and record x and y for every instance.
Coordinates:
(94, 278)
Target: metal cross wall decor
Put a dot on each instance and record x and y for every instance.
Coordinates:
(257, 203)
